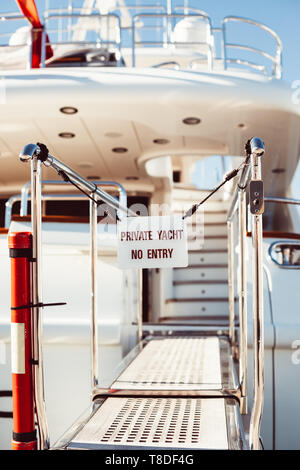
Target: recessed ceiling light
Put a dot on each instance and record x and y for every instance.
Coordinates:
(85, 165)
(66, 135)
(132, 178)
(161, 141)
(113, 135)
(278, 170)
(191, 121)
(68, 110)
(120, 150)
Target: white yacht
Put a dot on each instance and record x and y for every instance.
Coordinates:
(148, 108)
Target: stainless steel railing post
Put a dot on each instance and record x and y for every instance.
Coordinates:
(230, 241)
(256, 208)
(94, 313)
(242, 213)
(33, 153)
(44, 441)
(239, 205)
(140, 305)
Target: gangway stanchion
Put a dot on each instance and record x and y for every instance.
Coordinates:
(256, 200)
(94, 297)
(37, 154)
(216, 393)
(239, 345)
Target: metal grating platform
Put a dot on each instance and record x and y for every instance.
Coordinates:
(179, 363)
(171, 395)
(192, 423)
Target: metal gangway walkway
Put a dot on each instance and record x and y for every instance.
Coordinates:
(180, 388)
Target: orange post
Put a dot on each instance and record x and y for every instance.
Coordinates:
(24, 433)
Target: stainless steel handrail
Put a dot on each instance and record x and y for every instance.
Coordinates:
(168, 40)
(277, 60)
(45, 197)
(33, 153)
(26, 188)
(231, 296)
(50, 197)
(16, 17)
(258, 310)
(243, 298)
(239, 205)
(50, 16)
(169, 12)
(37, 353)
(8, 209)
(87, 185)
(94, 291)
(247, 63)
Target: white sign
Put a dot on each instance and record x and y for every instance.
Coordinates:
(152, 242)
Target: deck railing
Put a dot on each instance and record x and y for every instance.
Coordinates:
(24, 197)
(239, 206)
(139, 27)
(36, 156)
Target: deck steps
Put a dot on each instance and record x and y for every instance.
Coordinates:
(202, 289)
(208, 256)
(209, 242)
(210, 217)
(214, 308)
(201, 272)
(210, 228)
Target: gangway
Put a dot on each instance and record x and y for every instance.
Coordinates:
(180, 387)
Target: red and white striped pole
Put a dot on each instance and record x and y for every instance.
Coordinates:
(24, 433)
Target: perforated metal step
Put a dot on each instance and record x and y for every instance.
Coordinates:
(178, 363)
(164, 423)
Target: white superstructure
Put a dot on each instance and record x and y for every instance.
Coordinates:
(139, 95)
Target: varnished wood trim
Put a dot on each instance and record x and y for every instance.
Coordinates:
(275, 234)
(198, 299)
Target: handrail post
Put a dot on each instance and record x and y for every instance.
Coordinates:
(44, 442)
(256, 209)
(94, 305)
(230, 240)
(140, 305)
(24, 199)
(36, 154)
(242, 300)
(239, 205)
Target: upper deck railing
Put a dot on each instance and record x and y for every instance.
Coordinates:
(151, 35)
